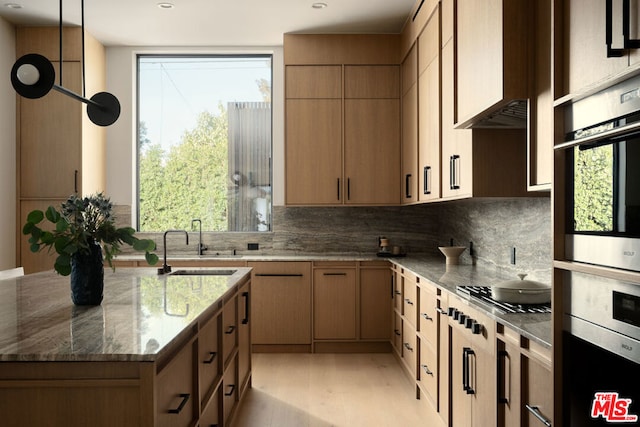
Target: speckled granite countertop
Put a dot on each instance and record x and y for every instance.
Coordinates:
(536, 327)
(141, 315)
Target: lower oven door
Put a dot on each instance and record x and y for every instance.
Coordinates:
(600, 388)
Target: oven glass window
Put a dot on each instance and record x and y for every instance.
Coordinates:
(606, 188)
(593, 188)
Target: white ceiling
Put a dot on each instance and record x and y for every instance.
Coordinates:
(212, 22)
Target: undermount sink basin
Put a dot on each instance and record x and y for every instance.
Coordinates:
(203, 272)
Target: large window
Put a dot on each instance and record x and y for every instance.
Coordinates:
(204, 142)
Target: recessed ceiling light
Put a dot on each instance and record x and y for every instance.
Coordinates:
(166, 5)
(13, 5)
(319, 5)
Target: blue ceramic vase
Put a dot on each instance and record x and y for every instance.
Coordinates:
(87, 276)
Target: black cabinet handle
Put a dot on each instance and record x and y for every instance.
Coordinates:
(245, 295)
(334, 274)
(427, 180)
(536, 413)
(232, 388)
(408, 301)
(397, 332)
(185, 398)
(75, 181)
(212, 356)
(503, 356)
(426, 370)
(338, 188)
(278, 275)
(348, 188)
(454, 172)
(407, 182)
(408, 347)
(441, 311)
(466, 371)
(230, 330)
(425, 316)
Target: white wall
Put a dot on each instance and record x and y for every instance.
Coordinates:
(121, 136)
(7, 148)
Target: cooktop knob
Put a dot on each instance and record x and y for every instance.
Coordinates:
(456, 314)
(462, 319)
(450, 311)
(476, 328)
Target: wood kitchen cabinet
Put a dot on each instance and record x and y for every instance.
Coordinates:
(175, 390)
(473, 367)
(281, 306)
(334, 302)
(342, 120)
(525, 381)
(429, 110)
(60, 152)
(492, 62)
(410, 127)
(375, 298)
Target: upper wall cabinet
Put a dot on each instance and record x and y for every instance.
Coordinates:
(492, 61)
(342, 119)
(590, 62)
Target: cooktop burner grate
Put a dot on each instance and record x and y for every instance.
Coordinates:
(482, 294)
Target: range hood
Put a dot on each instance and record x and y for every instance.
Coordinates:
(511, 116)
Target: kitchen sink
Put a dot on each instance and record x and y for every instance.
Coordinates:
(204, 272)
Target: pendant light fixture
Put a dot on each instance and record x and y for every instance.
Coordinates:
(33, 76)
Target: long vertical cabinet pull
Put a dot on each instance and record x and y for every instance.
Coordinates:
(75, 181)
(503, 384)
(348, 188)
(245, 295)
(427, 180)
(454, 172)
(466, 370)
(338, 188)
(407, 182)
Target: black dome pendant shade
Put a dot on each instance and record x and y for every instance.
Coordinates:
(33, 76)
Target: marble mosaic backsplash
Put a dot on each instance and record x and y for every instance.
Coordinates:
(493, 225)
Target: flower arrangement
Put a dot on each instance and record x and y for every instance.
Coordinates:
(82, 222)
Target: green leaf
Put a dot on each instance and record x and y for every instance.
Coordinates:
(35, 216)
(27, 228)
(146, 245)
(34, 247)
(52, 214)
(62, 225)
(152, 259)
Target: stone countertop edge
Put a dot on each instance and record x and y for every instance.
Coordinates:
(50, 312)
(536, 327)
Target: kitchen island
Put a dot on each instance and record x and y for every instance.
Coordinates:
(160, 350)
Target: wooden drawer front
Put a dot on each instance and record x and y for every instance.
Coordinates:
(428, 315)
(229, 329)
(229, 391)
(397, 291)
(176, 401)
(211, 414)
(427, 370)
(410, 300)
(208, 355)
(396, 338)
(409, 347)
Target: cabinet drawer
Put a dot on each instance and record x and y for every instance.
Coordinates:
(176, 400)
(427, 370)
(229, 391)
(396, 338)
(229, 329)
(428, 316)
(409, 348)
(208, 355)
(410, 300)
(211, 414)
(397, 291)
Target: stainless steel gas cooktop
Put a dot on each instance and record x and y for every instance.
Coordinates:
(482, 296)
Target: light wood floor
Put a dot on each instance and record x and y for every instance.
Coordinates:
(295, 390)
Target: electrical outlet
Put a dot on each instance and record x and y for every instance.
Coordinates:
(513, 255)
(252, 246)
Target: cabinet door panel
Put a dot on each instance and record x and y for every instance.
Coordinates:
(536, 391)
(209, 355)
(409, 176)
(313, 151)
(281, 304)
(375, 303)
(313, 81)
(334, 303)
(51, 148)
(177, 402)
(229, 329)
(245, 321)
(429, 132)
(372, 151)
(371, 81)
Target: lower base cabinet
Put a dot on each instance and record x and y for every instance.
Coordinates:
(176, 401)
(525, 381)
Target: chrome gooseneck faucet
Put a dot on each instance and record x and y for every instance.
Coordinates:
(201, 246)
(165, 267)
